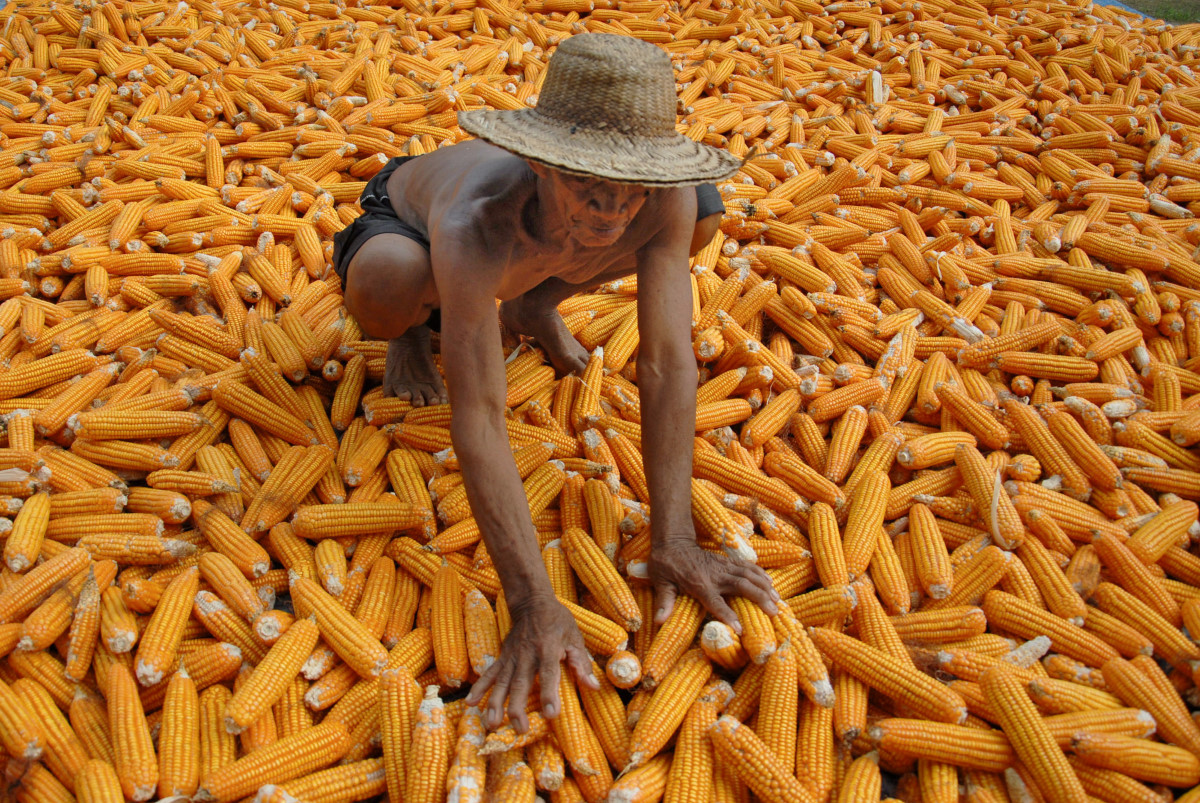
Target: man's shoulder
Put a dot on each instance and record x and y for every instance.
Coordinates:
(477, 183)
(672, 200)
(669, 205)
(477, 170)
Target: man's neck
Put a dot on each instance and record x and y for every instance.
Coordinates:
(541, 220)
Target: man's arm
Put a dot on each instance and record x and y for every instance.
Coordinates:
(543, 632)
(666, 370)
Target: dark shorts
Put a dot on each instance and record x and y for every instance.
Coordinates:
(379, 217)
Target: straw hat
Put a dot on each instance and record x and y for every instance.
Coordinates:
(606, 108)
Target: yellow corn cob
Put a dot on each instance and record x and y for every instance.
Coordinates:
(483, 638)
(28, 530)
(97, 783)
(136, 765)
(973, 416)
(866, 515)
(723, 646)
(429, 750)
(272, 675)
(600, 634)
(89, 719)
(984, 485)
(468, 767)
(776, 724)
(862, 780)
(1147, 761)
(45, 624)
(507, 738)
(340, 630)
(954, 745)
(399, 700)
(600, 576)
(230, 584)
(449, 633)
(160, 642)
(85, 628)
(736, 743)
(579, 744)
(1031, 740)
(64, 754)
(37, 783)
(863, 662)
(606, 713)
(1050, 453)
(288, 758)
(668, 706)
(1025, 621)
(226, 625)
(179, 742)
(331, 521)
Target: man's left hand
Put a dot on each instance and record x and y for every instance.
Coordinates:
(680, 566)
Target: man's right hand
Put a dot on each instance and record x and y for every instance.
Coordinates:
(543, 635)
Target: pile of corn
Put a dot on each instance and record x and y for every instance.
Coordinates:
(947, 345)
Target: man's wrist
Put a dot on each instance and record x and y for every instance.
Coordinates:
(528, 598)
(672, 538)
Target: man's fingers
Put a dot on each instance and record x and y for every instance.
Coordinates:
(518, 694)
(485, 682)
(495, 708)
(719, 608)
(756, 586)
(749, 581)
(581, 664)
(763, 581)
(745, 587)
(664, 602)
(548, 678)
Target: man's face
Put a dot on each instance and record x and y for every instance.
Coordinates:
(596, 212)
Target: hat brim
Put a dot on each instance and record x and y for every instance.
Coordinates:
(672, 161)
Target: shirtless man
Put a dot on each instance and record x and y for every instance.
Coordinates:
(531, 223)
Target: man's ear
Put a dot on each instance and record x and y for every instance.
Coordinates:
(541, 170)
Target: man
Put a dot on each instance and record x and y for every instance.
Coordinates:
(593, 184)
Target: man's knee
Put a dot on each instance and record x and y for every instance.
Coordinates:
(386, 283)
(706, 229)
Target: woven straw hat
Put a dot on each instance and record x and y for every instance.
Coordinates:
(607, 109)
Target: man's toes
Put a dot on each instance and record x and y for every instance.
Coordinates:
(424, 394)
(405, 391)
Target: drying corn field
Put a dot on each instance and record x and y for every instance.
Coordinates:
(948, 353)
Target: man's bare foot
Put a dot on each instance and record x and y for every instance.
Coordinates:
(411, 373)
(545, 326)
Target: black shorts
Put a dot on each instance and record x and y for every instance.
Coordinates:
(379, 217)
